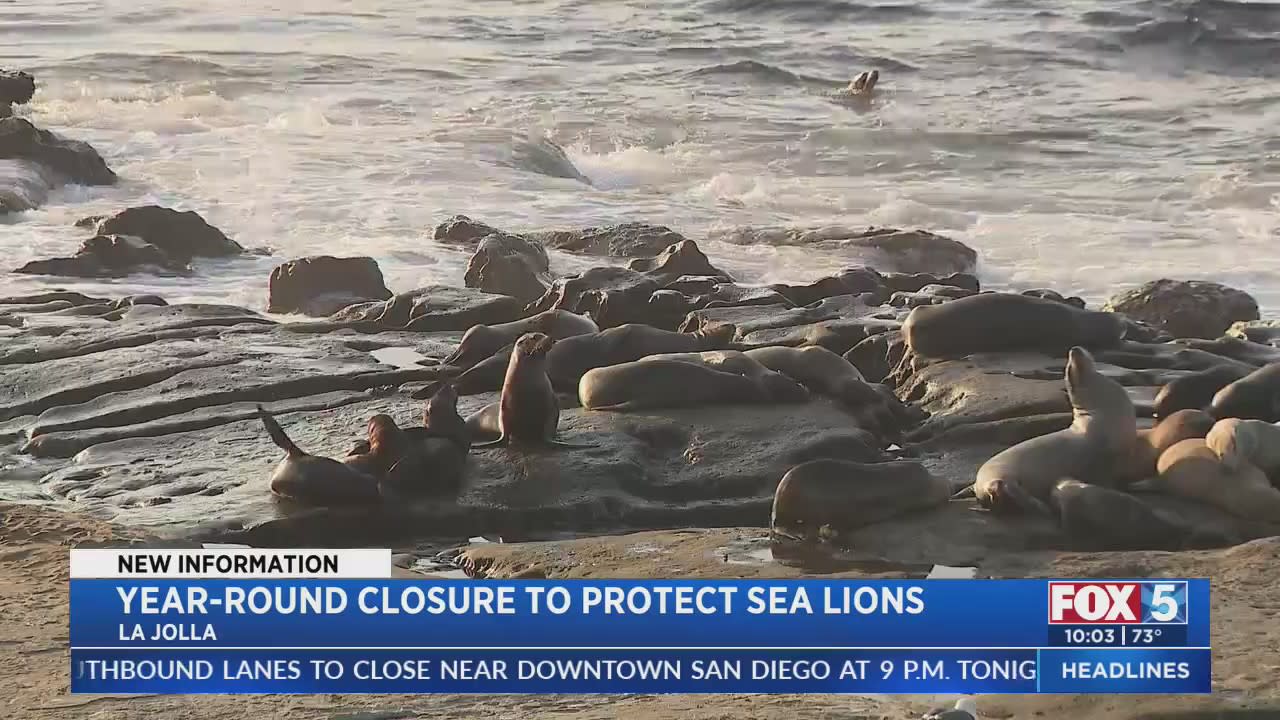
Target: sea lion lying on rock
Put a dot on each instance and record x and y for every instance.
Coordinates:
(1255, 396)
(1191, 469)
(482, 341)
(666, 383)
(840, 495)
(1239, 443)
(1007, 322)
(1099, 518)
(779, 386)
(316, 480)
(1151, 443)
(1096, 447)
(1195, 390)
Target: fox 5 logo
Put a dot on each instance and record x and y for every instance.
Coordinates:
(1086, 603)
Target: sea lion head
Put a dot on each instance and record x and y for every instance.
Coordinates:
(478, 343)
(534, 345)
(1094, 395)
(443, 402)
(384, 434)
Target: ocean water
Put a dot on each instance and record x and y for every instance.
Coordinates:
(1082, 145)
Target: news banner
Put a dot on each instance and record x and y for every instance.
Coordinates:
(334, 621)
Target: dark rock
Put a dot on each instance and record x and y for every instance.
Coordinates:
(610, 296)
(16, 87)
(462, 230)
(915, 282)
(746, 319)
(914, 300)
(545, 157)
(108, 256)
(509, 265)
(850, 281)
(633, 239)
(886, 249)
(682, 258)
(321, 285)
(435, 308)
(180, 235)
(951, 292)
(1186, 308)
(24, 184)
(75, 161)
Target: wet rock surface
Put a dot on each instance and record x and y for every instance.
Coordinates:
(34, 161)
(886, 249)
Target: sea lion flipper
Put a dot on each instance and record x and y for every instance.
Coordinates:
(490, 444)
(277, 434)
(965, 493)
(570, 446)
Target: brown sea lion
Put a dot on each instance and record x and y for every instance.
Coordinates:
(1099, 518)
(1255, 396)
(1181, 425)
(781, 388)
(1096, 447)
(482, 341)
(660, 383)
(843, 495)
(1195, 391)
(1238, 442)
(1192, 470)
(1007, 322)
(528, 411)
(316, 480)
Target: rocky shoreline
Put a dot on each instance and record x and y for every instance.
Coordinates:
(145, 414)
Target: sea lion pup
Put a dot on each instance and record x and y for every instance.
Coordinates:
(316, 480)
(440, 419)
(482, 341)
(1099, 518)
(1255, 396)
(1095, 447)
(528, 411)
(1007, 322)
(1246, 442)
(778, 386)
(1151, 444)
(1190, 469)
(1195, 390)
(664, 383)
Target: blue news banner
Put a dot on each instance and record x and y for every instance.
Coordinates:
(658, 636)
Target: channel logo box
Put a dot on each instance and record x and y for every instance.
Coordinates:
(1116, 603)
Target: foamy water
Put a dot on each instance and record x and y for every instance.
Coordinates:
(1082, 145)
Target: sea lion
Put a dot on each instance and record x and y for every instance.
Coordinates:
(829, 374)
(1195, 390)
(1151, 443)
(1096, 447)
(842, 495)
(861, 88)
(482, 341)
(572, 356)
(375, 455)
(1191, 469)
(1007, 322)
(1099, 518)
(1239, 442)
(528, 411)
(779, 387)
(662, 383)
(313, 479)
(1255, 396)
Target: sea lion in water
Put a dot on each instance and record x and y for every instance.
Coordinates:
(1151, 443)
(860, 89)
(1192, 470)
(1195, 391)
(482, 341)
(843, 495)
(1255, 396)
(528, 411)
(1246, 442)
(1099, 518)
(663, 383)
(313, 479)
(1096, 447)
(1007, 322)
